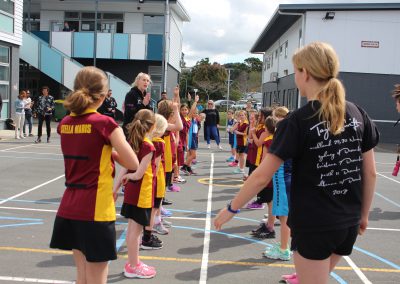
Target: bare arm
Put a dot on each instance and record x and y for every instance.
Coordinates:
(177, 126)
(144, 163)
(124, 154)
(176, 98)
(253, 185)
(193, 108)
(369, 180)
(118, 182)
(259, 141)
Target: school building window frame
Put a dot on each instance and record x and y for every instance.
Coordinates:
(5, 66)
(7, 16)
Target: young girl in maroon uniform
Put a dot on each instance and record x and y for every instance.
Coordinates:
(139, 192)
(85, 221)
(240, 129)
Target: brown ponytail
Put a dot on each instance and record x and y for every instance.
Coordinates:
(90, 85)
(141, 125)
(321, 62)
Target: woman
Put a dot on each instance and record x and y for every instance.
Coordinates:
(211, 124)
(331, 143)
(85, 221)
(19, 114)
(136, 99)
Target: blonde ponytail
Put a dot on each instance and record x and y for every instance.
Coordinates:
(321, 62)
(141, 125)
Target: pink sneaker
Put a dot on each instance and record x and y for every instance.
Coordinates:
(141, 270)
(291, 278)
(233, 164)
(255, 205)
(174, 188)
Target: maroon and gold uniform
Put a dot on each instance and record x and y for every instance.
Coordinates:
(89, 168)
(186, 122)
(267, 143)
(169, 148)
(241, 139)
(159, 145)
(140, 193)
(259, 150)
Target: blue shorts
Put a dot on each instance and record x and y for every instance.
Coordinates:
(280, 204)
(232, 140)
(194, 143)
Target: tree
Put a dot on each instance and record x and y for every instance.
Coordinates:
(254, 64)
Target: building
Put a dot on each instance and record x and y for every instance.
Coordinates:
(366, 37)
(129, 39)
(10, 41)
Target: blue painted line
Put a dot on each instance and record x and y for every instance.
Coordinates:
(121, 239)
(388, 262)
(22, 219)
(387, 199)
(21, 224)
(338, 278)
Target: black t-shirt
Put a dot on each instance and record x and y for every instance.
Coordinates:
(326, 190)
(212, 117)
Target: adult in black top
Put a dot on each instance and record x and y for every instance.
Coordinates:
(211, 124)
(163, 97)
(136, 99)
(109, 106)
(331, 144)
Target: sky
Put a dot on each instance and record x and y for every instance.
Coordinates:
(225, 30)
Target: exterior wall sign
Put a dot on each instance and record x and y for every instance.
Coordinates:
(370, 44)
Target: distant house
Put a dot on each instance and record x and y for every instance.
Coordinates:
(366, 38)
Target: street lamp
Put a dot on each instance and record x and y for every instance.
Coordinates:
(227, 96)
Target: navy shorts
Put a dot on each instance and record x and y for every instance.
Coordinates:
(96, 240)
(241, 149)
(194, 143)
(321, 245)
(232, 139)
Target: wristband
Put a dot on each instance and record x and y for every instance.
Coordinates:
(229, 208)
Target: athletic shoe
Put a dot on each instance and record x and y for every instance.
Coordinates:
(238, 171)
(277, 222)
(220, 147)
(230, 159)
(208, 146)
(156, 239)
(38, 141)
(265, 234)
(255, 205)
(48, 139)
(233, 164)
(17, 137)
(276, 253)
(179, 180)
(166, 223)
(289, 276)
(258, 229)
(194, 162)
(165, 212)
(173, 188)
(166, 202)
(141, 270)
(191, 172)
(151, 244)
(31, 135)
(160, 229)
(292, 279)
(184, 170)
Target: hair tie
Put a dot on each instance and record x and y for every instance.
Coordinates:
(85, 91)
(330, 78)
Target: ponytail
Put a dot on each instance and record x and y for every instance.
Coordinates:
(141, 125)
(78, 101)
(333, 105)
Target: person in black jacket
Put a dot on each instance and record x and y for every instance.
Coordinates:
(136, 99)
(109, 106)
(211, 124)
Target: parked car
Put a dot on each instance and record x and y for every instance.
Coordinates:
(241, 104)
(221, 104)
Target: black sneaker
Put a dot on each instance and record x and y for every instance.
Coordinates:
(166, 202)
(259, 229)
(152, 244)
(48, 139)
(156, 239)
(38, 140)
(267, 234)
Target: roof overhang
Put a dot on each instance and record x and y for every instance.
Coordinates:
(281, 21)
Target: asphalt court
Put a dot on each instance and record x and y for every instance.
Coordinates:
(32, 183)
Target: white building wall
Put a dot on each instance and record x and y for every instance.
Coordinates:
(283, 62)
(133, 23)
(16, 37)
(349, 28)
(175, 43)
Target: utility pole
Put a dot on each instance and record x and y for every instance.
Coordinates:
(227, 97)
(166, 46)
(95, 33)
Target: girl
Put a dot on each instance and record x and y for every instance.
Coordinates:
(327, 124)
(85, 221)
(240, 129)
(138, 194)
(251, 148)
(232, 137)
(183, 136)
(280, 206)
(192, 138)
(19, 105)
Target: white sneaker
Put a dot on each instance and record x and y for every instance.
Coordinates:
(208, 146)
(220, 147)
(17, 137)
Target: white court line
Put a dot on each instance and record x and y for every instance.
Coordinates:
(388, 178)
(33, 280)
(357, 270)
(27, 209)
(29, 190)
(381, 163)
(206, 245)
(4, 150)
(384, 229)
(36, 153)
(187, 218)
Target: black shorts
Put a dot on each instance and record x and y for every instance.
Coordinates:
(251, 167)
(266, 195)
(137, 214)
(157, 202)
(321, 245)
(241, 149)
(96, 240)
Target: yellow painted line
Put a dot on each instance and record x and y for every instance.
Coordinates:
(206, 181)
(195, 260)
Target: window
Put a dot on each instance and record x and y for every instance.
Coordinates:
(272, 60)
(276, 53)
(85, 21)
(7, 16)
(280, 50)
(113, 16)
(300, 37)
(4, 72)
(72, 15)
(153, 24)
(286, 49)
